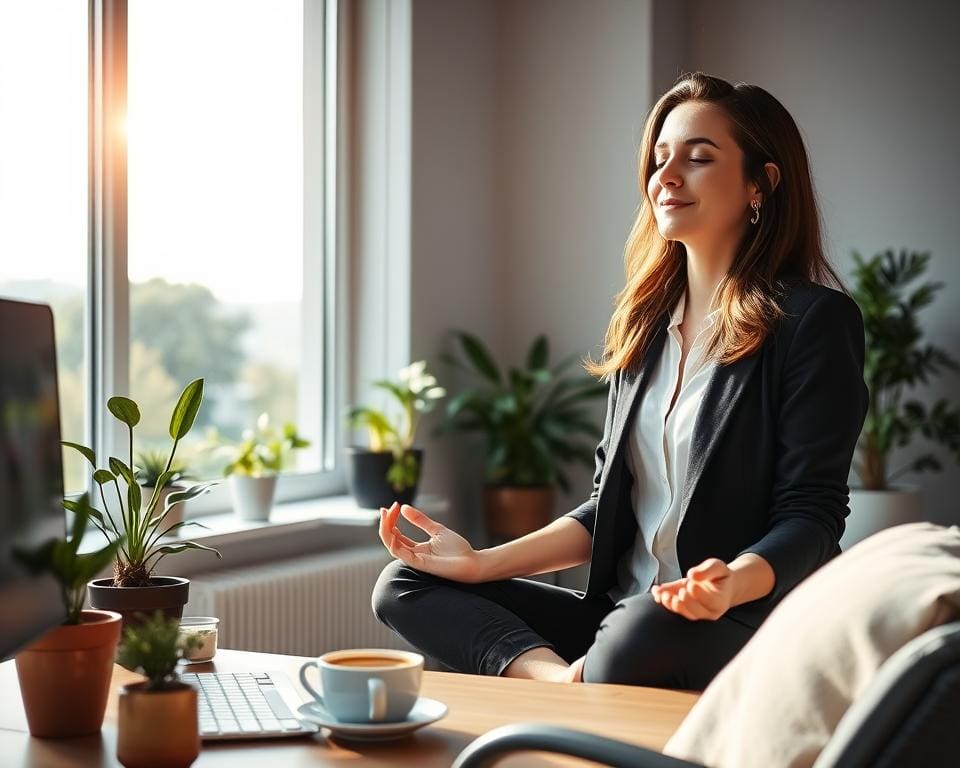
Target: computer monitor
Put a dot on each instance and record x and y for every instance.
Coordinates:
(31, 471)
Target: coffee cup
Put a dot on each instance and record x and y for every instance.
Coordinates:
(367, 685)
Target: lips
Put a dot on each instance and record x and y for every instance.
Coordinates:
(670, 206)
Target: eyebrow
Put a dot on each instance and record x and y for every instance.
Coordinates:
(690, 142)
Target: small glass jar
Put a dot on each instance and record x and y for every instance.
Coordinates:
(204, 628)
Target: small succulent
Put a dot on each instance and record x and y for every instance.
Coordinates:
(152, 467)
(153, 647)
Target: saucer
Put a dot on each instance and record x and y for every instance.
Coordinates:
(424, 712)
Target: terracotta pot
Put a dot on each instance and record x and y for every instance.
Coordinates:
(367, 477)
(168, 593)
(514, 511)
(175, 515)
(65, 676)
(157, 729)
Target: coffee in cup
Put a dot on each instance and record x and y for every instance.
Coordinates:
(367, 685)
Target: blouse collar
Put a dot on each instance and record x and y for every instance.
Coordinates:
(676, 317)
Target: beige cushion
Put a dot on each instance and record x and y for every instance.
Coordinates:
(778, 701)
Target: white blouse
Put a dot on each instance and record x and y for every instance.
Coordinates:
(659, 451)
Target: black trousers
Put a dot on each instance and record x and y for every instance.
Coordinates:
(481, 628)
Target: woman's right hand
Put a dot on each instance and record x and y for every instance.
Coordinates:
(446, 554)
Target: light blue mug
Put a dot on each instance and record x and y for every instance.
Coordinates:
(367, 685)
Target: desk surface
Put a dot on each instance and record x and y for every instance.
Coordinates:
(477, 704)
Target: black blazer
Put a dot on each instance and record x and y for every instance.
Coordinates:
(769, 456)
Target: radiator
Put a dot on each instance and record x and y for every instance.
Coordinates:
(303, 606)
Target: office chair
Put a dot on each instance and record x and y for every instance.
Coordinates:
(909, 715)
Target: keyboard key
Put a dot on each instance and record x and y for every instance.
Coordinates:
(277, 704)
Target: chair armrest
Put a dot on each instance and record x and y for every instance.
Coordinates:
(484, 751)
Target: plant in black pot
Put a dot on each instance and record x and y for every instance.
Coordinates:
(391, 467)
(896, 361)
(133, 587)
(530, 419)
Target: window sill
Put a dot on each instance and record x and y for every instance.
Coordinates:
(294, 518)
(295, 528)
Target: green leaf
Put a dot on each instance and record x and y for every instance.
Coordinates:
(120, 469)
(102, 476)
(125, 410)
(185, 411)
(189, 493)
(88, 453)
(478, 355)
(173, 549)
(539, 353)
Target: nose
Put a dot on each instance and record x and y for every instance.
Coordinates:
(669, 175)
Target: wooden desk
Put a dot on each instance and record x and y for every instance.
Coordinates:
(477, 704)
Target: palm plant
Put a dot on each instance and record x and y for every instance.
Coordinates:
(896, 359)
(529, 416)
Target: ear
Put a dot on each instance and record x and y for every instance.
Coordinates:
(773, 174)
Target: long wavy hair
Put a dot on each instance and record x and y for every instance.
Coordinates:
(785, 244)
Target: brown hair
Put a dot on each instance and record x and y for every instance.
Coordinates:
(785, 243)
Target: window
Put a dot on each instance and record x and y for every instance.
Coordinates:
(43, 189)
(204, 250)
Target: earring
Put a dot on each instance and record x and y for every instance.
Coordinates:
(755, 204)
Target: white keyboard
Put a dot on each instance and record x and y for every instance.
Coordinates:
(246, 705)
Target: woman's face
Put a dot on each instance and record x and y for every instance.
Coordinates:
(699, 163)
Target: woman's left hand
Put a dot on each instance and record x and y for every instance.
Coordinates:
(705, 593)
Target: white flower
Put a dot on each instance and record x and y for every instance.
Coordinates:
(263, 421)
(435, 392)
(412, 371)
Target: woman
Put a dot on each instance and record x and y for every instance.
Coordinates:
(736, 400)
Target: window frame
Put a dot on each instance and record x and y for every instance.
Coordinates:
(108, 320)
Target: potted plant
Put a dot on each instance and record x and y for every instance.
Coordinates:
(390, 468)
(151, 466)
(157, 718)
(254, 463)
(134, 587)
(65, 675)
(896, 360)
(529, 419)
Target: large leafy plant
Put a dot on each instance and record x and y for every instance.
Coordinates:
(896, 360)
(140, 527)
(529, 416)
(417, 392)
(61, 559)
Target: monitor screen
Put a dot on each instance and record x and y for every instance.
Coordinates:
(31, 473)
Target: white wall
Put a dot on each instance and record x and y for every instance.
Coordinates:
(872, 87)
(456, 267)
(526, 119)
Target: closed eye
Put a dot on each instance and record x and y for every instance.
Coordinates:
(658, 166)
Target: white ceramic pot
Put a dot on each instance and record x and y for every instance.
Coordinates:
(252, 496)
(872, 511)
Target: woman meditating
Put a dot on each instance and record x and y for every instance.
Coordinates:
(736, 399)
